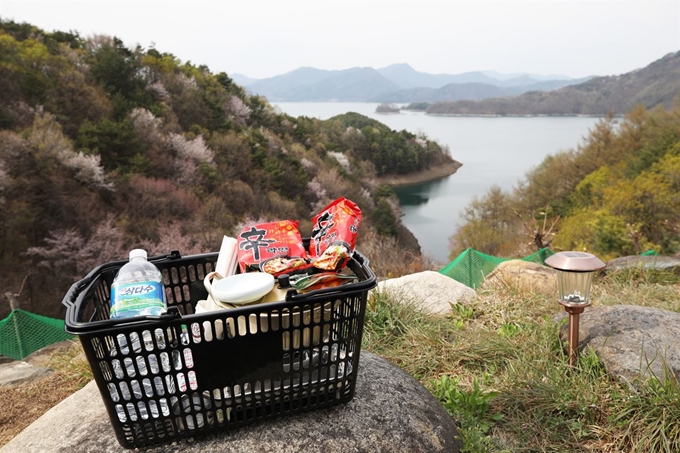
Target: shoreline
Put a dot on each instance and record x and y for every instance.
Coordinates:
(431, 174)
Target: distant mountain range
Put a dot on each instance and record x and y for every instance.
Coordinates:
(396, 83)
(657, 84)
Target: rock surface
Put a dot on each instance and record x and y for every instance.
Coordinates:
(390, 412)
(523, 275)
(633, 342)
(16, 373)
(665, 263)
(430, 290)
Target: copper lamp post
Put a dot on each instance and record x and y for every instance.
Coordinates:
(575, 271)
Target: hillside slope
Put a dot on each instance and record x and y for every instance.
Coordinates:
(655, 85)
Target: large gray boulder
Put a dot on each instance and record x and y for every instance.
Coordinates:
(429, 290)
(522, 275)
(633, 342)
(390, 412)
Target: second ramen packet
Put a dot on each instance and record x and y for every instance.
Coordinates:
(334, 234)
(275, 248)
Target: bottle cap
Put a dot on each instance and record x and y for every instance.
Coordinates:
(136, 253)
(284, 281)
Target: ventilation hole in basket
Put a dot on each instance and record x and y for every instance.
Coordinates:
(247, 391)
(184, 335)
(160, 338)
(98, 348)
(186, 293)
(111, 346)
(286, 341)
(148, 388)
(165, 361)
(267, 385)
(306, 315)
(274, 320)
(327, 311)
(220, 416)
(179, 423)
(106, 371)
(123, 344)
(165, 409)
(296, 360)
(132, 413)
(192, 273)
(326, 332)
(193, 383)
(113, 391)
(136, 389)
(196, 332)
(217, 398)
(218, 325)
(296, 339)
(181, 382)
(296, 316)
(286, 363)
(177, 360)
(201, 272)
(210, 418)
(169, 297)
(125, 391)
(141, 365)
(264, 325)
(120, 412)
(174, 276)
(306, 334)
(316, 335)
(242, 328)
(200, 421)
(170, 384)
(171, 333)
(177, 294)
(117, 369)
(252, 322)
(129, 367)
(143, 413)
(135, 342)
(305, 378)
(230, 328)
(257, 389)
(182, 274)
(188, 358)
(285, 318)
(153, 364)
(158, 384)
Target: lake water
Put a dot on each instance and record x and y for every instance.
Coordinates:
(493, 150)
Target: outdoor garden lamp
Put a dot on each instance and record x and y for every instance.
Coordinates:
(575, 271)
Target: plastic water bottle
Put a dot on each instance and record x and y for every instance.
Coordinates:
(137, 289)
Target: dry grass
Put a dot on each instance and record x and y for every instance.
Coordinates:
(24, 404)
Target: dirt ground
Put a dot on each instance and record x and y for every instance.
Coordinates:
(22, 405)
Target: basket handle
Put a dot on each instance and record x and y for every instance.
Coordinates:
(71, 295)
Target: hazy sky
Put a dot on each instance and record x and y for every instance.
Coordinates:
(266, 38)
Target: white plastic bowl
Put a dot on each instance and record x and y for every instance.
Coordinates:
(242, 289)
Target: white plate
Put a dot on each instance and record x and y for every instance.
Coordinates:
(242, 288)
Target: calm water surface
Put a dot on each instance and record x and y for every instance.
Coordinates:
(492, 150)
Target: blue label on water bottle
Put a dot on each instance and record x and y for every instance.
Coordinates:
(134, 299)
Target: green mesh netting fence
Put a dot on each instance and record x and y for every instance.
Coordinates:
(22, 333)
(471, 266)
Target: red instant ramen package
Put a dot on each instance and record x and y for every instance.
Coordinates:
(334, 234)
(275, 248)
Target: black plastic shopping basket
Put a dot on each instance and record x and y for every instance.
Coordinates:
(183, 374)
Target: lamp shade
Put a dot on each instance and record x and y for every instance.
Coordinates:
(575, 272)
